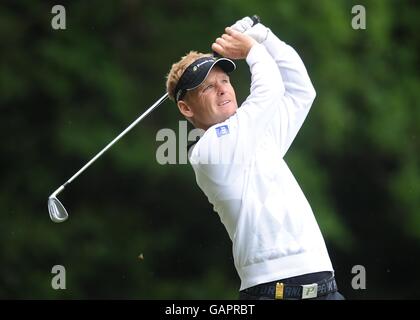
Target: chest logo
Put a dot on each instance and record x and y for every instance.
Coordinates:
(222, 130)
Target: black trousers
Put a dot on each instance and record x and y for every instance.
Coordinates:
(298, 280)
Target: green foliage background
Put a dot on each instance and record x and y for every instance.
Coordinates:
(64, 94)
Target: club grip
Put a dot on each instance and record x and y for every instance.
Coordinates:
(255, 19)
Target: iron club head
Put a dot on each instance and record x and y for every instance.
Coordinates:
(57, 211)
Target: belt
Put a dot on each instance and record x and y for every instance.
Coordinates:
(280, 290)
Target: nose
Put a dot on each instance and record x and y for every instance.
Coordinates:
(221, 88)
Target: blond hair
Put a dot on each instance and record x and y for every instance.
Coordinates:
(178, 69)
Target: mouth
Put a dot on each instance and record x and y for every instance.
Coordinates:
(224, 103)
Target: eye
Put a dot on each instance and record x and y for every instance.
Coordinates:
(207, 87)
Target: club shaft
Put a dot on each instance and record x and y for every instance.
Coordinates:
(155, 105)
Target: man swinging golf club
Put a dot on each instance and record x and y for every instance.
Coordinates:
(278, 249)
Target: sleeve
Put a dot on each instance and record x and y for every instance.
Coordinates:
(299, 92)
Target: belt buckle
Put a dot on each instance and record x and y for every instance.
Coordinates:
(309, 291)
(279, 290)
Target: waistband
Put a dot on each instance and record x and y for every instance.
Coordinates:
(280, 290)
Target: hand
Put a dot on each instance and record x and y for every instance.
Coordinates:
(258, 32)
(233, 44)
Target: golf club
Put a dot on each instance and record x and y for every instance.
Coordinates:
(56, 209)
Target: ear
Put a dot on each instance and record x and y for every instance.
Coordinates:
(185, 109)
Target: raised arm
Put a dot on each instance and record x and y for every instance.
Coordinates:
(226, 148)
(256, 113)
(299, 92)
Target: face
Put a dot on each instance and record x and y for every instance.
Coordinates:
(212, 102)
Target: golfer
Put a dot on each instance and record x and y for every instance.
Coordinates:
(278, 249)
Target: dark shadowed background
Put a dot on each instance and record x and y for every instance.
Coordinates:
(141, 230)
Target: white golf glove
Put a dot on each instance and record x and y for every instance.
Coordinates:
(259, 32)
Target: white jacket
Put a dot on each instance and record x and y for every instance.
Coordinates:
(239, 166)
